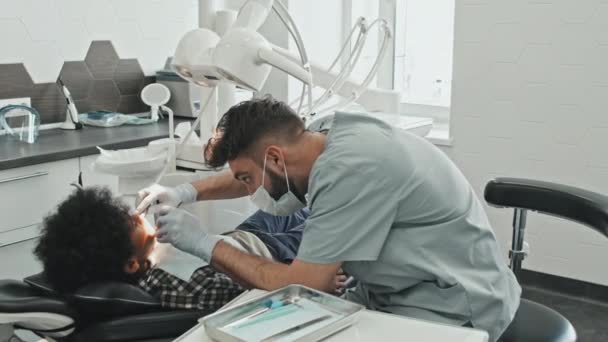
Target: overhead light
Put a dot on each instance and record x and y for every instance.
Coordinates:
(193, 57)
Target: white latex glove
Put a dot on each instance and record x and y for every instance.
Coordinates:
(156, 194)
(185, 232)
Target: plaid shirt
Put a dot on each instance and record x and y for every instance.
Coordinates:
(206, 290)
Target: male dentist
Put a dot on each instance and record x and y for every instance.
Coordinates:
(387, 207)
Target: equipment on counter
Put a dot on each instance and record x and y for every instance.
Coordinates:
(71, 116)
(155, 95)
(104, 118)
(20, 122)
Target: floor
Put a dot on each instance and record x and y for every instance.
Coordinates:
(590, 319)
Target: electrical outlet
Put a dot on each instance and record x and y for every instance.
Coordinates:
(25, 101)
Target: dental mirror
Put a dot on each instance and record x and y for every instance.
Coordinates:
(155, 95)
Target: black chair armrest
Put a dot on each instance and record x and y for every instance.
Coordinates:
(583, 206)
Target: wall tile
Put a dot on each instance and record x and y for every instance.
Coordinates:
(125, 10)
(75, 39)
(149, 28)
(14, 37)
(599, 24)
(72, 9)
(506, 42)
(14, 81)
(574, 83)
(41, 19)
(507, 12)
(595, 106)
(127, 38)
(152, 55)
(100, 19)
(568, 124)
(84, 106)
(49, 101)
(77, 78)
(534, 103)
(474, 23)
(128, 76)
(43, 61)
(471, 57)
(13, 9)
(498, 120)
(594, 145)
(576, 11)
(102, 60)
(531, 58)
(597, 66)
(503, 81)
(544, 33)
(576, 46)
(104, 95)
(595, 179)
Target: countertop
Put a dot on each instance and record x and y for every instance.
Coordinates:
(58, 144)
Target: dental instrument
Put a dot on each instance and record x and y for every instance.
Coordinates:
(71, 117)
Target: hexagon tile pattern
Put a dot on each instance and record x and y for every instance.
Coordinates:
(102, 81)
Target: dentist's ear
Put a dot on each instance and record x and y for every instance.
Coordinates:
(274, 156)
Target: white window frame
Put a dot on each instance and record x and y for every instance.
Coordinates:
(386, 72)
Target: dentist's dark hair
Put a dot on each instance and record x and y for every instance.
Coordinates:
(247, 123)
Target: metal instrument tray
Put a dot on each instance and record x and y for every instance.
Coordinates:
(340, 314)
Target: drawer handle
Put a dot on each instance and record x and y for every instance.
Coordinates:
(33, 175)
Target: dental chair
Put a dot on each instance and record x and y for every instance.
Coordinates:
(99, 312)
(533, 321)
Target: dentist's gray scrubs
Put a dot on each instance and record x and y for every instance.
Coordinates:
(408, 226)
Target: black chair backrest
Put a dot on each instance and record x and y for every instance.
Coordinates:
(102, 300)
(583, 206)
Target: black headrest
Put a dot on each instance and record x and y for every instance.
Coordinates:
(18, 297)
(583, 206)
(110, 299)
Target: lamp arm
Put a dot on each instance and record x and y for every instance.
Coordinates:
(287, 65)
(372, 99)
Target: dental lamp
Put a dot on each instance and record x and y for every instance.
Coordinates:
(244, 57)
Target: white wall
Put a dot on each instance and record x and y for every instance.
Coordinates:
(530, 99)
(44, 33)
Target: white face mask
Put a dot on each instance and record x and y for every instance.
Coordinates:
(286, 205)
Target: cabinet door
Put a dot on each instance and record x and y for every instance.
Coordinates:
(17, 261)
(27, 194)
(92, 178)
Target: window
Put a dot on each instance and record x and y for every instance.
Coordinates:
(424, 34)
(418, 64)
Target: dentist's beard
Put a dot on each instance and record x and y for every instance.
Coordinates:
(278, 187)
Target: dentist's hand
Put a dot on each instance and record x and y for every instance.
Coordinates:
(161, 195)
(184, 231)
